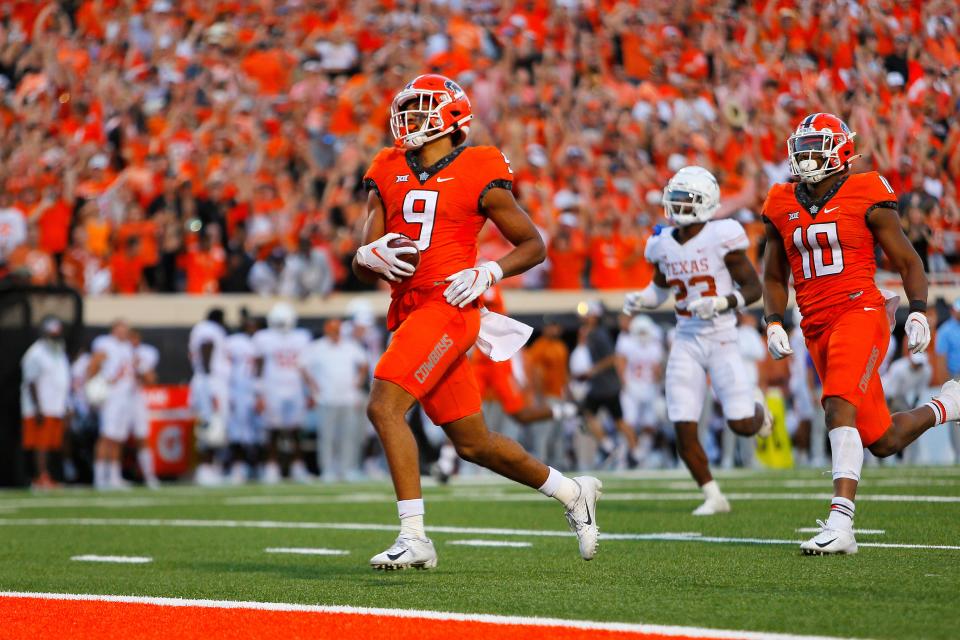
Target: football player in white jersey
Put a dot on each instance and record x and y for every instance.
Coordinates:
(705, 264)
(641, 348)
(243, 432)
(112, 361)
(146, 358)
(208, 392)
(279, 391)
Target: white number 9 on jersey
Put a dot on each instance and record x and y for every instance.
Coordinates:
(420, 207)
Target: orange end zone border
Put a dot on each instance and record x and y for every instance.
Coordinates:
(40, 616)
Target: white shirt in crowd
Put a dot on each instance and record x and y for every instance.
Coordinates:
(335, 367)
(203, 332)
(45, 365)
(281, 352)
(13, 231)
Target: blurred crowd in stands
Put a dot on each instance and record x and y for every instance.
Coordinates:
(218, 145)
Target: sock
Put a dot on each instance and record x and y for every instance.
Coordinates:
(560, 488)
(939, 412)
(847, 453)
(841, 514)
(116, 475)
(145, 459)
(100, 473)
(607, 445)
(448, 459)
(411, 518)
(711, 490)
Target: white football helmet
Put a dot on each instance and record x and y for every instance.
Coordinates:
(692, 196)
(643, 326)
(282, 317)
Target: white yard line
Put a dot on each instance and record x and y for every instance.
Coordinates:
(652, 629)
(356, 526)
(308, 551)
(491, 543)
(116, 559)
(859, 532)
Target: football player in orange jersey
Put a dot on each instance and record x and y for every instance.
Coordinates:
(439, 193)
(822, 230)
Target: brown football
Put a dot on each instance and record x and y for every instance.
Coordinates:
(404, 241)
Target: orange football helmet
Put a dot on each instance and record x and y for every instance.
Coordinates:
(821, 146)
(430, 106)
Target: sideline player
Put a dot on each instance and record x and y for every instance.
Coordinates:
(243, 434)
(822, 230)
(145, 357)
(44, 392)
(112, 360)
(209, 393)
(438, 192)
(705, 263)
(280, 395)
(641, 347)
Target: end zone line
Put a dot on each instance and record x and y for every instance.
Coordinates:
(650, 629)
(359, 526)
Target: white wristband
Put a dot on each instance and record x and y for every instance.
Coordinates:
(495, 270)
(741, 303)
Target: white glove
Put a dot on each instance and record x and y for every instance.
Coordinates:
(918, 332)
(650, 298)
(377, 256)
(778, 342)
(468, 285)
(708, 307)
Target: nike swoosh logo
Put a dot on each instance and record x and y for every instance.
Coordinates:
(825, 543)
(394, 557)
(589, 519)
(377, 253)
(829, 210)
(869, 309)
(444, 179)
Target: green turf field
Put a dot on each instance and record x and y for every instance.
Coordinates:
(719, 572)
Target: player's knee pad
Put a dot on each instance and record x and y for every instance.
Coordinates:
(847, 453)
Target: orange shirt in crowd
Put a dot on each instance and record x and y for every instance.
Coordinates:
(547, 358)
(606, 262)
(204, 270)
(54, 227)
(567, 262)
(36, 261)
(126, 272)
(98, 236)
(637, 272)
(146, 232)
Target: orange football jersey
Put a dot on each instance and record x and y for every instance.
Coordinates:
(438, 207)
(829, 245)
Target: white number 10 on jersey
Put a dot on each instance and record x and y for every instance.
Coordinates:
(819, 238)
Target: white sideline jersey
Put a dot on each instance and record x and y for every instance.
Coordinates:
(118, 367)
(281, 352)
(642, 359)
(243, 360)
(696, 269)
(203, 332)
(45, 365)
(147, 357)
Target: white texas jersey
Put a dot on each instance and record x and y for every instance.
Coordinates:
(148, 357)
(696, 269)
(281, 351)
(203, 332)
(243, 357)
(118, 367)
(642, 357)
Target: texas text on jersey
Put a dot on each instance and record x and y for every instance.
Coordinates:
(439, 207)
(829, 244)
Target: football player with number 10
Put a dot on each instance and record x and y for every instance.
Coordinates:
(822, 230)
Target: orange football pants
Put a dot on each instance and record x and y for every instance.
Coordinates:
(847, 357)
(427, 357)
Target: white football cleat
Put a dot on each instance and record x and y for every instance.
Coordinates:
(270, 473)
(406, 553)
(582, 516)
(830, 542)
(713, 506)
(299, 473)
(766, 429)
(949, 399)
